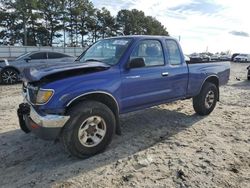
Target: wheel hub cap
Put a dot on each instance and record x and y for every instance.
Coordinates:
(9, 77)
(209, 100)
(92, 131)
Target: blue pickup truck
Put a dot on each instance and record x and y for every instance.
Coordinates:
(80, 103)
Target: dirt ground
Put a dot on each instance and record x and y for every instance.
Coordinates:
(164, 146)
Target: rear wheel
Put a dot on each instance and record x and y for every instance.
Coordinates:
(89, 130)
(9, 76)
(205, 102)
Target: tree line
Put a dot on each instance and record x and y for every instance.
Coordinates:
(68, 23)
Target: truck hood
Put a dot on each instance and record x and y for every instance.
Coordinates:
(61, 71)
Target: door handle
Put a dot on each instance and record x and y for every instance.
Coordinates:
(164, 74)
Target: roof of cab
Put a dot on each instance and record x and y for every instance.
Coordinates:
(141, 37)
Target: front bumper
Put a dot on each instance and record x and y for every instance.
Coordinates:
(240, 60)
(47, 126)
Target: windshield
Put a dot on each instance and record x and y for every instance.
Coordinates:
(108, 51)
(23, 55)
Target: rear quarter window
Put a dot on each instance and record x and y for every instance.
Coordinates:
(39, 55)
(174, 54)
(54, 55)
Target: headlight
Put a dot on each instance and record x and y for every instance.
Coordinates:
(44, 95)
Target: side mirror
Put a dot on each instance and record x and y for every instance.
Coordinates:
(27, 59)
(136, 63)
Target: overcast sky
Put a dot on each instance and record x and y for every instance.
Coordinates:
(214, 25)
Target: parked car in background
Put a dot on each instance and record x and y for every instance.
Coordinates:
(198, 58)
(248, 73)
(225, 57)
(187, 59)
(215, 58)
(195, 58)
(242, 58)
(10, 71)
(234, 55)
(205, 57)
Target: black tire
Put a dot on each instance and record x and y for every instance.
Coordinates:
(248, 78)
(79, 117)
(9, 76)
(200, 102)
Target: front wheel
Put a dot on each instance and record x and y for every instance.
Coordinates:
(89, 130)
(205, 102)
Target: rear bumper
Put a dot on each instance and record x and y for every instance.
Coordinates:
(46, 127)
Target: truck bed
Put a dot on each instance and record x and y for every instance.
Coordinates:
(198, 72)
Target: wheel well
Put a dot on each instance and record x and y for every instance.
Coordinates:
(214, 80)
(100, 97)
(104, 98)
(10, 67)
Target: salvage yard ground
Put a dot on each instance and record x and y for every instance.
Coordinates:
(164, 146)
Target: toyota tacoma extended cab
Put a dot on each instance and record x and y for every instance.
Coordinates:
(80, 103)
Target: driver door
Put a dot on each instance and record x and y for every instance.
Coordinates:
(146, 85)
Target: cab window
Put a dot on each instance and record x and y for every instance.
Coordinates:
(150, 51)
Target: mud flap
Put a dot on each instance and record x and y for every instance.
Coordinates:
(23, 110)
(118, 130)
